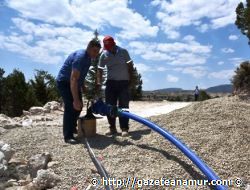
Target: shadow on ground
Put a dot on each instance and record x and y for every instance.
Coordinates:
(101, 142)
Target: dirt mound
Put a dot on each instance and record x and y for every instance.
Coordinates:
(217, 130)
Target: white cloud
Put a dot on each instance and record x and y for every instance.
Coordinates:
(189, 38)
(201, 13)
(44, 43)
(236, 61)
(177, 53)
(143, 68)
(161, 69)
(196, 71)
(224, 74)
(93, 14)
(227, 50)
(171, 78)
(233, 37)
(221, 63)
(19, 45)
(203, 28)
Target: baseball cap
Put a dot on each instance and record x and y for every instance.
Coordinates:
(108, 42)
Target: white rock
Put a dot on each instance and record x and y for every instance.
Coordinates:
(30, 186)
(27, 123)
(17, 119)
(21, 171)
(26, 113)
(39, 118)
(23, 182)
(8, 152)
(37, 162)
(8, 123)
(3, 168)
(2, 157)
(46, 179)
(12, 125)
(36, 110)
(4, 116)
(12, 182)
(17, 161)
(1, 144)
(2, 130)
(51, 106)
(53, 163)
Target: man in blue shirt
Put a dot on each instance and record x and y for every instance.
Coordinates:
(70, 81)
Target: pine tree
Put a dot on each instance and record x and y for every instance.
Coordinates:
(241, 79)
(44, 87)
(91, 78)
(15, 89)
(136, 85)
(2, 102)
(139, 88)
(243, 19)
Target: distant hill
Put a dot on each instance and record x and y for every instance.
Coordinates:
(225, 88)
(169, 90)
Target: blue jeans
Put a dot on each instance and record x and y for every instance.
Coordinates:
(70, 115)
(118, 91)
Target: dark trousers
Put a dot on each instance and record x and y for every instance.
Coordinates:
(70, 115)
(196, 96)
(118, 91)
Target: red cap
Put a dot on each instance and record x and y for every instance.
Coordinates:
(108, 43)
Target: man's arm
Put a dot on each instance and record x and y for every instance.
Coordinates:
(129, 63)
(101, 66)
(77, 103)
(130, 69)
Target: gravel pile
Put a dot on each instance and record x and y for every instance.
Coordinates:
(217, 130)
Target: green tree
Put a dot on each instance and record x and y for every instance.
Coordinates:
(243, 18)
(241, 79)
(136, 85)
(91, 78)
(203, 95)
(31, 99)
(15, 89)
(1, 89)
(44, 87)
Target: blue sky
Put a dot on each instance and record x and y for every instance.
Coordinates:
(173, 43)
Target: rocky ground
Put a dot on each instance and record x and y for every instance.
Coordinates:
(217, 130)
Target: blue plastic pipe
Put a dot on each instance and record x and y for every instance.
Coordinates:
(100, 107)
(190, 154)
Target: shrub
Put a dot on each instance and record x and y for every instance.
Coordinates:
(241, 79)
(203, 95)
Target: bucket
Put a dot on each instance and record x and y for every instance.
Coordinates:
(87, 124)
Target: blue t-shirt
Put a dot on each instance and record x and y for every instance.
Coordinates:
(79, 60)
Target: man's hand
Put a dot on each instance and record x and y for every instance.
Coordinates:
(77, 105)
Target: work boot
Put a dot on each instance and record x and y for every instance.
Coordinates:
(125, 133)
(111, 131)
(71, 140)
